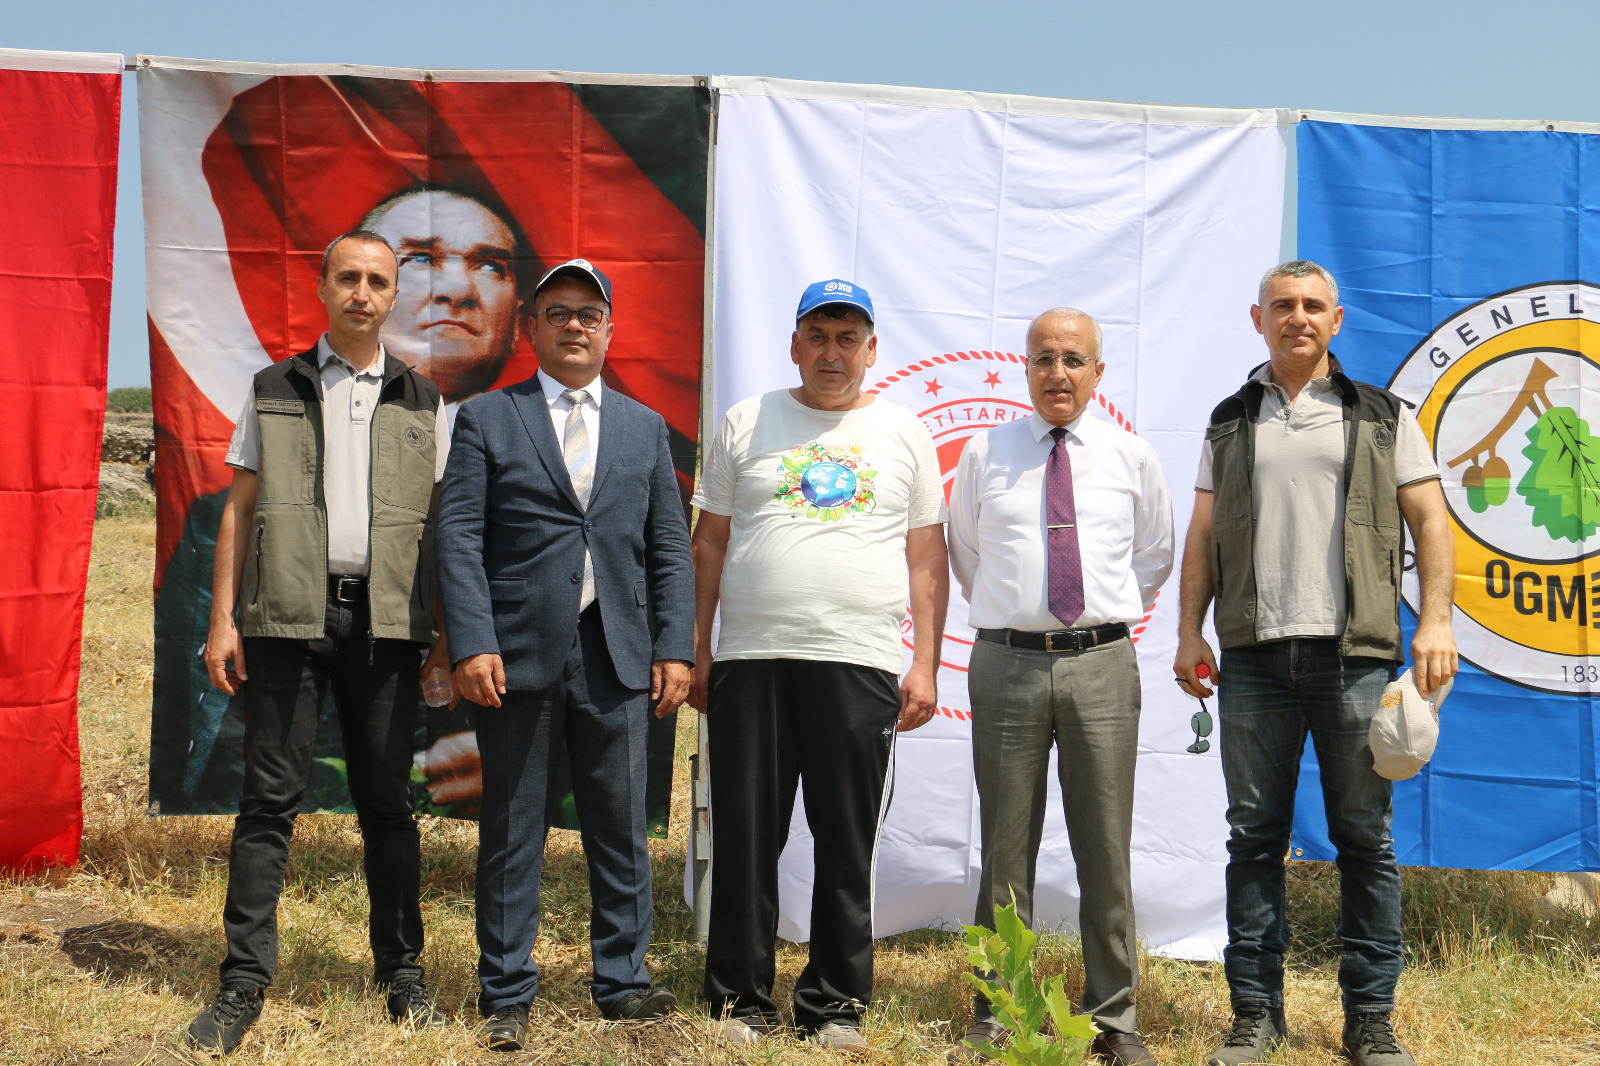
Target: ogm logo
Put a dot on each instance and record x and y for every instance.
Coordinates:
(1501, 390)
(957, 395)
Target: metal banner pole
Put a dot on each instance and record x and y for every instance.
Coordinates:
(700, 782)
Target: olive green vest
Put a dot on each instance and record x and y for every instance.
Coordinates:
(1372, 535)
(285, 588)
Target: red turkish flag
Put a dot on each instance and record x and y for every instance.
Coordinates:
(58, 170)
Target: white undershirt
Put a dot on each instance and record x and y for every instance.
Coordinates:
(560, 406)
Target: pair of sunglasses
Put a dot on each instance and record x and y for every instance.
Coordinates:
(1200, 722)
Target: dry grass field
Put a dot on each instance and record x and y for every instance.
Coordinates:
(106, 964)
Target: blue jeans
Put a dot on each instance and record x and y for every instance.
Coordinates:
(1271, 695)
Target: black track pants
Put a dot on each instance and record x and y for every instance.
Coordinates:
(830, 727)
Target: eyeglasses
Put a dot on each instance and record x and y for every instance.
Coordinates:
(1046, 363)
(589, 318)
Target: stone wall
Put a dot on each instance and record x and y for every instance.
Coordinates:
(127, 460)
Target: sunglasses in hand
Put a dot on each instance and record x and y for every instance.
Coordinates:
(1200, 722)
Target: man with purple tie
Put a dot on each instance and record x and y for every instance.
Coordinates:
(1060, 535)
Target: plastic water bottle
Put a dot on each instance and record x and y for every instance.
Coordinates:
(436, 690)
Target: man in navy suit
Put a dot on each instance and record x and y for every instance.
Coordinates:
(568, 597)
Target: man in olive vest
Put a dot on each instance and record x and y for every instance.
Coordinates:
(1304, 478)
(324, 583)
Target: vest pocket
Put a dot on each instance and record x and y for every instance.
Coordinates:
(1230, 493)
(288, 471)
(427, 593)
(252, 574)
(404, 451)
(1371, 497)
(1216, 568)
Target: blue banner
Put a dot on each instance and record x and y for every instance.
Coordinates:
(1468, 263)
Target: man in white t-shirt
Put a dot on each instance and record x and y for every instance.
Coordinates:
(821, 514)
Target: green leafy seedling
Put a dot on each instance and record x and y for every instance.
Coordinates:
(1027, 1009)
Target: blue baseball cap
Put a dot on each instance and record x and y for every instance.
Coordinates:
(834, 292)
(577, 268)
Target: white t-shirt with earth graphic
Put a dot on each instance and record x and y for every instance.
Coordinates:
(820, 503)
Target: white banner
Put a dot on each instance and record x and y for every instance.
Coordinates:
(964, 215)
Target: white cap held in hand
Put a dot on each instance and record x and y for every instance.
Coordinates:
(1405, 729)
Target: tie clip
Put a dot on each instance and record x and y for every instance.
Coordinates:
(1065, 525)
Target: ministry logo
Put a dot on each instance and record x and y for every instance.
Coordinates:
(1505, 392)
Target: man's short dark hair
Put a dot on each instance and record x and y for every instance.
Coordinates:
(364, 235)
(838, 313)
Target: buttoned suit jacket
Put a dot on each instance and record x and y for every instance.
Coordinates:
(511, 534)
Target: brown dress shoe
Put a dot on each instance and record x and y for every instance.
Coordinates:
(1123, 1049)
(989, 1029)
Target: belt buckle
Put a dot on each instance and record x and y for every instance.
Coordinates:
(338, 590)
(1050, 641)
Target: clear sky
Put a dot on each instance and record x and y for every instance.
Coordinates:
(1468, 58)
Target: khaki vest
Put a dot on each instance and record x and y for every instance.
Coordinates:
(1372, 534)
(285, 588)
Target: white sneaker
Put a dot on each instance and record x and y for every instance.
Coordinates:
(734, 1031)
(843, 1039)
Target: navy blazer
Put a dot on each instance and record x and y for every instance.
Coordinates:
(510, 539)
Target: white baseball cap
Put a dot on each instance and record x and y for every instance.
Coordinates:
(1405, 729)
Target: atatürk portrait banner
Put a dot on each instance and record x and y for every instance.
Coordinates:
(480, 180)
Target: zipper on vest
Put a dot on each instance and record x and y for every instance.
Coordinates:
(260, 530)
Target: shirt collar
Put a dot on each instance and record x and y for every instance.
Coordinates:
(325, 353)
(1041, 429)
(1263, 374)
(553, 388)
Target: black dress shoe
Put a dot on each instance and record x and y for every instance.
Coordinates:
(642, 1006)
(505, 1029)
(1123, 1049)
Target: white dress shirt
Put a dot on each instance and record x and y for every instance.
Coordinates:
(997, 524)
(560, 407)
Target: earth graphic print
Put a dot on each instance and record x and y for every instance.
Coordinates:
(824, 484)
(828, 484)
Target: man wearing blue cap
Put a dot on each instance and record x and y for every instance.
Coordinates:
(568, 601)
(821, 514)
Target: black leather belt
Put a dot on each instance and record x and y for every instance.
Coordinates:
(345, 589)
(1057, 640)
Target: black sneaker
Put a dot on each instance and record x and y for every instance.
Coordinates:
(410, 1004)
(1369, 1041)
(1257, 1029)
(221, 1026)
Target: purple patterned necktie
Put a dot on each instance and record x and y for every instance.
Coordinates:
(1061, 531)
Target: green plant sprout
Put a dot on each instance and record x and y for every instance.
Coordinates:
(1019, 1002)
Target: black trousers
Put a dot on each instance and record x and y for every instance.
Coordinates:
(376, 690)
(830, 727)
